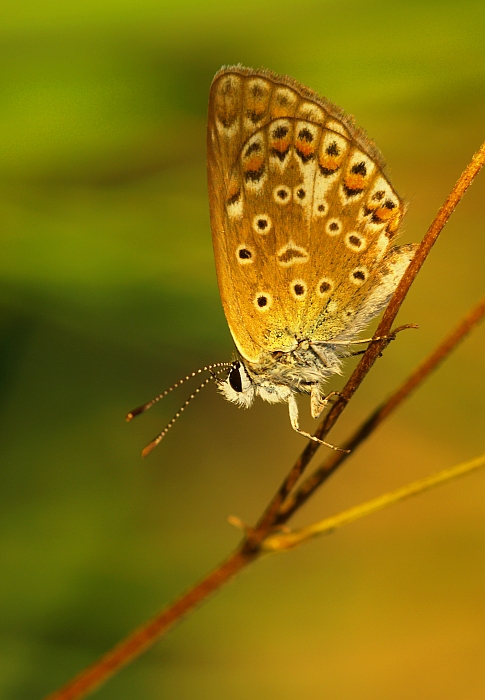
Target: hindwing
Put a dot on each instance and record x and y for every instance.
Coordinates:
(302, 214)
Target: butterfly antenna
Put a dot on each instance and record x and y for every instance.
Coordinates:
(151, 445)
(208, 368)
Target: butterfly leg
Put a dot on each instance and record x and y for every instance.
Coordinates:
(391, 336)
(318, 403)
(293, 410)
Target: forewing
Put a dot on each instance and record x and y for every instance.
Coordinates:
(301, 213)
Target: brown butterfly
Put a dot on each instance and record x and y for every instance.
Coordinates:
(302, 220)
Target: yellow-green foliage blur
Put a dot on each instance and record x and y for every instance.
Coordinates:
(108, 294)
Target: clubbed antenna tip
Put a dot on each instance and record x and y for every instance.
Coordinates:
(219, 366)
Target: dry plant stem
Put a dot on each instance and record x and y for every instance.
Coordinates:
(271, 515)
(143, 637)
(250, 549)
(295, 501)
(288, 540)
(374, 349)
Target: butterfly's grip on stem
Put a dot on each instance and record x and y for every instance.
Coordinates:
(387, 338)
(293, 410)
(391, 336)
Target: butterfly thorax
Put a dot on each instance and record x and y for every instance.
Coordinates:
(277, 375)
(307, 365)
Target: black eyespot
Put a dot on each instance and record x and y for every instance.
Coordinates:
(333, 226)
(282, 194)
(359, 169)
(280, 132)
(245, 254)
(305, 135)
(235, 378)
(321, 207)
(262, 301)
(234, 197)
(301, 193)
(262, 224)
(299, 289)
(254, 116)
(254, 147)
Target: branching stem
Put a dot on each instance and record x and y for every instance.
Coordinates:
(281, 505)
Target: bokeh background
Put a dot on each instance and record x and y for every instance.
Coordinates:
(108, 294)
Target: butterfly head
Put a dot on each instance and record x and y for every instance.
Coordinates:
(238, 387)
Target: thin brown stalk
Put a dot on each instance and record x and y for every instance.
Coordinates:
(250, 548)
(143, 637)
(287, 540)
(374, 349)
(271, 514)
(309, 486)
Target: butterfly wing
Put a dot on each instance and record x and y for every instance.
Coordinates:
(301, 214)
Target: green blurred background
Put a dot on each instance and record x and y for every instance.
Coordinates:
(108, 294)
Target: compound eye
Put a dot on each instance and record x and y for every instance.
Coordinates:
(235, 378)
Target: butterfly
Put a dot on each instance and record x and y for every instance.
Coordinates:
(303, 218)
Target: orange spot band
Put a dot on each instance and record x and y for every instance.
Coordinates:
(280, 145)
(354, 181)
(305, 147)
(253, 164)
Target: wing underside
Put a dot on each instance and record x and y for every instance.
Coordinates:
(302, 215)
